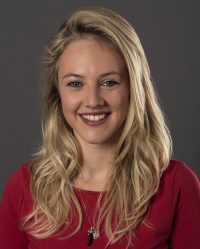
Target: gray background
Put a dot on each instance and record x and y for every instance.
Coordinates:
(170, 34)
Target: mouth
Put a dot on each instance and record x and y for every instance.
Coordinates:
(94, 119)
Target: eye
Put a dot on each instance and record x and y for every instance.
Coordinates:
(74, 84)
(109, 83)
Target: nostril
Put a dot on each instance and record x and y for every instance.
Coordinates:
(94, 101)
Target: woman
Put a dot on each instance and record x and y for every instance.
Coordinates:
(103, 176)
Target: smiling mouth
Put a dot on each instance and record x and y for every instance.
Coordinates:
(94, 119)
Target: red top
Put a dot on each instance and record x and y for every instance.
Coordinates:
(174, 212)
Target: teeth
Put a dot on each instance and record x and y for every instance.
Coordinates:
(94, 117)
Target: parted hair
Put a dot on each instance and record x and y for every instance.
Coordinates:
(142, 153)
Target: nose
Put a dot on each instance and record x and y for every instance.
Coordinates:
(93, 97)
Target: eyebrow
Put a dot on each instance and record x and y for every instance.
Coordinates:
(81, 76)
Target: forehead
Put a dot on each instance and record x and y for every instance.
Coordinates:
(94, 38)
(90, 52)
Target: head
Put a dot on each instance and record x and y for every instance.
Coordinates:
(93, 87)
(109, 28)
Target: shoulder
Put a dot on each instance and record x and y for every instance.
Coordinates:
(20, 178)
(182, 183)
(180, 175)
(177, 184)
(17, 191)
(180, 167)
(185, 205)
(178, 195)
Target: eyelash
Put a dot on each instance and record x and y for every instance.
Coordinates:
(75, 84)
(109, 81)
(72, 84)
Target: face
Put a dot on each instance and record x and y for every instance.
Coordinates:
(94, 90)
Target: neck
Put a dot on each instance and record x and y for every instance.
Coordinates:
(97, 162)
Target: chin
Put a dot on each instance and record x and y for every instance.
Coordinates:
(96, 141)
(99, 140)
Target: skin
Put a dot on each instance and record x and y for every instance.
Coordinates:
(92, 78)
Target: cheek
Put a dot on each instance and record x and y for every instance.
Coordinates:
(68, 102)
(120, 101)
(125, 99)
(69, 106)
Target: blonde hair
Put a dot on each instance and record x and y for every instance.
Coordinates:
(142, 153)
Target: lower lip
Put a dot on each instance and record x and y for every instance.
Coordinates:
(95, 123)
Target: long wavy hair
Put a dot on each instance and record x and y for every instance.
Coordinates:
(142, 153)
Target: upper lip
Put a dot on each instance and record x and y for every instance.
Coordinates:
(94, 113)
